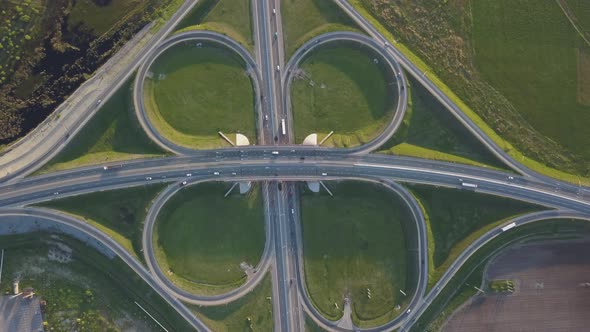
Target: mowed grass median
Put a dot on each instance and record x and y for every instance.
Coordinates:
(195, 92)
(456, 218)
(118, 213)
(356, 241)
(113, 134)
(256, 306)
(305, 19)
(201, 237)
(341, 88)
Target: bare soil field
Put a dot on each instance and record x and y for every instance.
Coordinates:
(550, 295)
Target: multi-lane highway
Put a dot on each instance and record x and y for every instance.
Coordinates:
(278, 163)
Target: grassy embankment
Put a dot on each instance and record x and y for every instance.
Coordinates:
(118, 213)
(253, 312)
(429, 131)
(305, 19)
(462, 62)
(112, 134)
(460, 287)
(356, 241)
(90, 292)
(456, 218)
(343, 91)
(196, 92)
(202, 237)
(229, 17)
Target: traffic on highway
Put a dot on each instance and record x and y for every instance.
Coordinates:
(279, 163)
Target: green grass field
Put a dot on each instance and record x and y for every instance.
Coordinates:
(203, 237)
(88, 293)
(506, 65)
(112, 134)
(456, 218)
(305, 19)
(234, 316)
(430, 131)
(460, 287)
(230, 17)
(118, 213)
(350, 95)
(196, 92)
(528, 51)
(354, 241)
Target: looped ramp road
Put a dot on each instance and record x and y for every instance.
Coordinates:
(293, 163)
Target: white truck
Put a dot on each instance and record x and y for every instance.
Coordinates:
(469, 185)
(283, 127)
(509, 226)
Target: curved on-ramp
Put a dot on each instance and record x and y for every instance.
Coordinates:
(422, 265)
(340, 36)
(166, 283)
(477, 245)
(196, 35)
(85, 228)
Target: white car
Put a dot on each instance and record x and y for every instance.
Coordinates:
(189, 174)
(275, 152)
(105, 168)
(511, 178)
(98, 101)
(324, 174)
(274, 11)
(148, 178)
(292, 211)
(278, 68)
(234, 173)
(183, 183)
(56, 193)
(215, 173)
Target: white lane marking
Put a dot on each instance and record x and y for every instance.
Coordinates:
(569, 198)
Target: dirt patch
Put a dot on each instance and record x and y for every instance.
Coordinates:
(584, 76)
(552, 291)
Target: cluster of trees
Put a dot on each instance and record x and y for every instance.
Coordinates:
(54, 61)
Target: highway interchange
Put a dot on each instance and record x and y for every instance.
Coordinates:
(283, 253)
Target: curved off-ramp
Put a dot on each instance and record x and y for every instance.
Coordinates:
(195, 35)
(396, 70)
(422, 265)
(166, 283)
(107, 242)
(477, 245)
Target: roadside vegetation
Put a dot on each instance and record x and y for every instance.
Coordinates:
(305, 19)
(112, 134)
(311, 326)
(203, 240)
(486, 52)
(461, 287)
(253, 312)
(355, 246)
(340, 88)
(195, 92)
(430, 131)
(229, 17)
(84, 290)
(49, 48)
(118, 213)
(456, 218)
